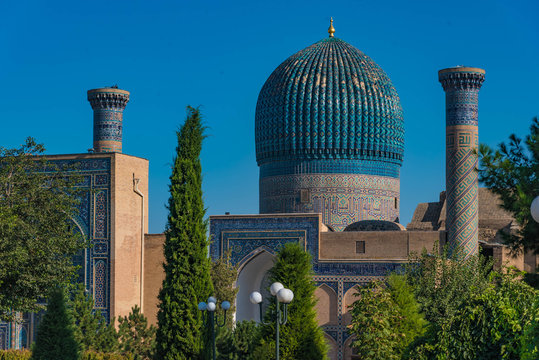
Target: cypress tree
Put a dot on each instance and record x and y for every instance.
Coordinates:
(55, 336)
(301, 337)
(187, 281)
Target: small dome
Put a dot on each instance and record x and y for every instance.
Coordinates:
(375, 225)
(329, 101)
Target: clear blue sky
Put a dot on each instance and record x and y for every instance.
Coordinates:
(218, 54)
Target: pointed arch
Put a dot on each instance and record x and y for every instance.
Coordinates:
(333, 353)
(349, 352)
(348, 299)
(80, 259)
(22, 338)
(251, 276)
(326, 306)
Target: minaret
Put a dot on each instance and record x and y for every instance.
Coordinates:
(461, 86)
(108, 104)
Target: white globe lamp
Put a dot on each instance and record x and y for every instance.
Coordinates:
(255, 298)
(210, 306)
(285, 296)
(275, 287)
(534, 208)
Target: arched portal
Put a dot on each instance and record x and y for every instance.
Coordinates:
(349, 298)
(251, 278)
(333, 353)
(326, 306)
(80, 259)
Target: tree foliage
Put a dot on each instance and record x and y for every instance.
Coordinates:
(135, 336)
(301, 337)
(386, 319)
(37, 242)
(442, 284)
(223, 276)
(187, 268)
(530, 337)
(55, 336)
(512, 172)
(488, 325)
(238, 343)
(91, 330)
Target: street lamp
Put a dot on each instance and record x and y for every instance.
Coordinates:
(534, 209)
(210, 319)
(282, 295)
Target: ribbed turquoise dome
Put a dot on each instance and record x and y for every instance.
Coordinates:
(329, 101)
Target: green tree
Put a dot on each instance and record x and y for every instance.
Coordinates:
(442, 284)
(187, 267)
(91, 330)
(55, 336)
(246, 334)
(223, 276)
(512, 172)
(37, 243)
(239, 343)
(386, 318)
(301, 337)
(135, 336)
(530, 338)
(488, 325)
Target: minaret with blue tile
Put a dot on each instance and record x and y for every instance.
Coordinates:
(461, 85)
(108, 104)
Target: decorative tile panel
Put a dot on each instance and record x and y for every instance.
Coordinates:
(342, 199)
(462, 87)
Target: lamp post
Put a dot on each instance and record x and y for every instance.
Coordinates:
(281, 295)
(210, 319)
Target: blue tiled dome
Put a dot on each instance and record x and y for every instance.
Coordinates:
(329, 101)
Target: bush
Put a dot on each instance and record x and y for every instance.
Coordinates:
(530, 337)
(443, 284)
(489, 325)
(15, 354)
(135, 336)
(238, 344)
(93, 355)
(386, 319)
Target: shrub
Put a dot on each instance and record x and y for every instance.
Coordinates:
(94, 355)
(386, 318)
(489, 325)
(15, 354)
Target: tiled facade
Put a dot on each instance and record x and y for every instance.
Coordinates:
(93, 222)
(328, 126)
(245, 237)
(110, 268)
(342, 199)
(461, 85)
(108, 105)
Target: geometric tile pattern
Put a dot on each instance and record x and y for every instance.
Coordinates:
(342, 166)
(462, 87)
(329, 135)
(108, 105)
(247, 236)
(94, 218)
(329, 101)
(342, 199)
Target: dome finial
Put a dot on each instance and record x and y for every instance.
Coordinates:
(331, 29)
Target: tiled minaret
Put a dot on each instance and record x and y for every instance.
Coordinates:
(461, 86)
(108, 105)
